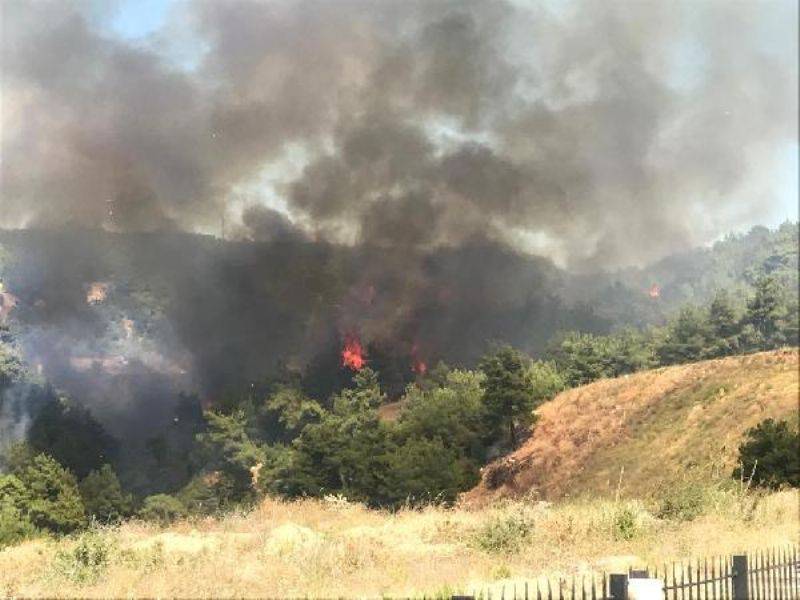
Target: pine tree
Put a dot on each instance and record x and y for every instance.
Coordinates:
(507, 390)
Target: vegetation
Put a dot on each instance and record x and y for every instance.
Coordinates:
(507, 391)
(331, 547)
(770, 455)
(45, 494)
(103, 496)
(657, 431)
(273, 438)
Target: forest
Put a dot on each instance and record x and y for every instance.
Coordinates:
(275, 437)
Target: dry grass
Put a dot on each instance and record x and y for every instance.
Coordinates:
(656, 427)
(322, 548)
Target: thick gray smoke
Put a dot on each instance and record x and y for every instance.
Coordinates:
(598, 133)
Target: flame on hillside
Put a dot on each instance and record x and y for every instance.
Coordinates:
(418, 365)
(353, 356)
(97, 292)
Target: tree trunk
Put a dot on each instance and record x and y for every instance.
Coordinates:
(513, 435)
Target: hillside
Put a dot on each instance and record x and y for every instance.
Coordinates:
(640, 431)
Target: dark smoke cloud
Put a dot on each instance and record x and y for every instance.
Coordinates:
(607, 131)
(381, 168)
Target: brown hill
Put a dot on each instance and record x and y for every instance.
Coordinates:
(635, 433)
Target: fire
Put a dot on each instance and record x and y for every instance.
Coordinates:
(418, 365)
(353, 354)
(655, 291)
(97, 292)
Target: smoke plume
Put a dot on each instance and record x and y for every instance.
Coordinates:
(598, 133)
(387, 169)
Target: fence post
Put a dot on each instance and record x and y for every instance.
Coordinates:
(618, 586)
(741, 590)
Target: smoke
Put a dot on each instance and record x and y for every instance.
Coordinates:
(381, 168)
(598, 133)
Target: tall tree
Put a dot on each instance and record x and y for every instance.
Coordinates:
(766, 310)
(507, 390)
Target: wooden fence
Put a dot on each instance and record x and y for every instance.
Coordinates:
(761, 575)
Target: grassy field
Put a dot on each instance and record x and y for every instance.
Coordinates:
(633, 434)
(330, 548)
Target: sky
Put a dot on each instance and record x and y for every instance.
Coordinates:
(135, 19)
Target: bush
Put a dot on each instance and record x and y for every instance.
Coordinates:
(682, 503)
(504, 534)
(86, 561)
(14, 527)
(162, 508)
(771, 455)
(200, 496)
(103, 497)
(625, 525)
(48, 496)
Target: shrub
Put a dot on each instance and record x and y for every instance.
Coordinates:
(49, 496)
(504, 534)
(162, 508)
(14, 527)
(682, 502)
(86, 561)
(771, 455)
(103, 496)
(625, 525)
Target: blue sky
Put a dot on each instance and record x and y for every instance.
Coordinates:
(137, 18)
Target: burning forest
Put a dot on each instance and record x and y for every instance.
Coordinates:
(234, 241)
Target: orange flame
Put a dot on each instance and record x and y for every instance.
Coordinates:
(655, 291)
(97, 292)
(353, 353)
(417, 364)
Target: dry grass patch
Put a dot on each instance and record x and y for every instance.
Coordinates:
(631, 434)
(323, 549)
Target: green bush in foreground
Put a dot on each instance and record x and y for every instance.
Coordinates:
(682, 502)
(14, 527)
(770, 455)
(48, 495)
(505, 534)
(103, 496)
(162, 508)
(86, 561)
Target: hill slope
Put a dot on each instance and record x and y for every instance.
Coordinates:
(647, 429)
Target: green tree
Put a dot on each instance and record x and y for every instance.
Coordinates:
(103, 496)
(771, 454)
(724, 326)
(507, 390)
(348, 450)
(292, 409)
(546, 381)
(231, 451)
(686, 337)
(50, 499)
(423, 470)
(14, 525)
(765, 312)
(65, 430)
(450, 410)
